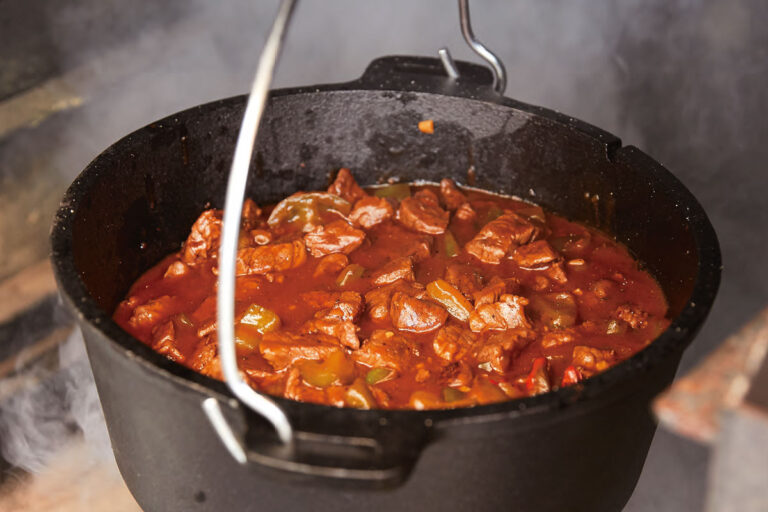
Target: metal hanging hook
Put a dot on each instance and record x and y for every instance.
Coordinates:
(499, 72)
(233, 206)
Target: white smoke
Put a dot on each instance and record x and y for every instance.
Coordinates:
(53, 408)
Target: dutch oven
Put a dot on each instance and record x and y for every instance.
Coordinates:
(578, 448)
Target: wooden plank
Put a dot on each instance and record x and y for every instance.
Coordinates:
(694, 405)
(25, 289)
(76, 480)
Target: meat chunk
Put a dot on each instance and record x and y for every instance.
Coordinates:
(507, 313)
(556, 272)
(338, 321)
(250, 215)
(204, 316)
(370, 211)
(320, 299)
(415, 315)
(534, 255)
(338, 236)
(295, 389)
(497, 351)
(331, 264)
(348, 307)
(465, 213)
(401, 268)
(419, 248)
(346, 187)
(495, 288)
(592, 359)
(557, 338)
(634, 317)
(164, 341)
(149, 314)
(538, 379)
(452, 196)
(271, 258)
(176, 269)
(282, 348)
(203, 240)
(386, 349)
(206, 360)
(350, 304)
(422, 213)
(452, 341)
(456, 374)
(494, 356)
(378, 300)
(497, 237)
(463, 277)
(391, 240)
(343, 330)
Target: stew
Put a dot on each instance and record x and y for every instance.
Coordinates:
(402, 296)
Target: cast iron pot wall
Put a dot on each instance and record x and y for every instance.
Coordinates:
(581, 448)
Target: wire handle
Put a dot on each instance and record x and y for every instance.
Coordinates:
(233, 206)
(499, 71)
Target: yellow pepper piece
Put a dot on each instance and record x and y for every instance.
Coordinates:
(349, 274)
(397, 191)
(450, 298)
(261, 318)
(335, 370)
(359, 396)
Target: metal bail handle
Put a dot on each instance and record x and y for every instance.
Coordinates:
(233, 205)
(499, 71)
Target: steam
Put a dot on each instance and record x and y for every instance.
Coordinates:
(676, 78)
(56, 408)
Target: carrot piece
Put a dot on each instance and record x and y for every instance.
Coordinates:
(427, 126)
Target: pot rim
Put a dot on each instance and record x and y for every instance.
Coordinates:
(674, 339)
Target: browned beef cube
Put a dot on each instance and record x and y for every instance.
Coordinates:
(422, 213)
(271, 258)
(495, 288)
(507, 313)
(385, 349)
(634, 317)
(400, 268)
(463, 277)
(282, 348)
(535, 254)
(338, 236)
(415, 315)
(378, 299)
(593, 359)
(164, 341)
(370, 211)
(203, 240)
(346, 187)
(452, 196)
(494, 241)
(452, 341)
(152, 312)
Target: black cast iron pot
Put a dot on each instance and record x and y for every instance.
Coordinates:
(579, 448)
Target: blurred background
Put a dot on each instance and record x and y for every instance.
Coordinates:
(685, 81)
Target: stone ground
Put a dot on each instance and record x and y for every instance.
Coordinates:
(684, 81)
